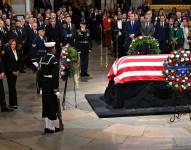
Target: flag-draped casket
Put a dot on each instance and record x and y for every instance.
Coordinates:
(138, 82)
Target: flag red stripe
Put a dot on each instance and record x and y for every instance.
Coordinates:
(141, 78)
(144, 60)
(140, 68)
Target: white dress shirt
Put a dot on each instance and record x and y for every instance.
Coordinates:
(15, 54)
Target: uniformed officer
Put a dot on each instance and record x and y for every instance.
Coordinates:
(84, 46)
(49, 78)
(38, 51)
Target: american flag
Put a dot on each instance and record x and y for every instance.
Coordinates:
(138, 68)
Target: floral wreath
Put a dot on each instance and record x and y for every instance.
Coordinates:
(68, 58)
(144, 45)
(177, 70)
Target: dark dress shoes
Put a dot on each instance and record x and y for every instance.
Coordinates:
(58, 130)
(46, 130)
(6, 109)
(13, 107)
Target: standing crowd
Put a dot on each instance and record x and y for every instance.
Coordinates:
(23, 38)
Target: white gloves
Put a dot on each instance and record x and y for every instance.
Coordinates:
(35, 64)
(58, 94)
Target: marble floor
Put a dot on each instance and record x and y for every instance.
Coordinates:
(23, 128)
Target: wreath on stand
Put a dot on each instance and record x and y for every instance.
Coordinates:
(68, 59)
(177, 70)
(144, 45)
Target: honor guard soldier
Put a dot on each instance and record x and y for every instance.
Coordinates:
(84, 46)
(38, 51)
(49, 78)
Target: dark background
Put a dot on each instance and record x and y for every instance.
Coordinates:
(179, 2)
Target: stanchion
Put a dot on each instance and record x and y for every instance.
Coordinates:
(101, 48)
(117, 47)
(178, 115)
(64, 94)
(106, 52)
(65, 89)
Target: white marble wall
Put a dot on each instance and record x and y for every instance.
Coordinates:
(109, 3)
(19, 6)
(136, 3)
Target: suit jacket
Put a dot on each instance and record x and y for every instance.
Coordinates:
(11, 35)
(2, 36)
(73, 29)
(11, 64)
(147, 30)
(135, 29)
(22, 36)
(30, 34)
(53, 34)
(129, 29)
(179, 35)
(161, 33)
(1, 66)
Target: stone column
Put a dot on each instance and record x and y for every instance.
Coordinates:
(28, 5)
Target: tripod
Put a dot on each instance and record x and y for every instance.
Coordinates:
(65, 89)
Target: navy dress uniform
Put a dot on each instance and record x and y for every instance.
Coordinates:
(49, 78)
(84, 46)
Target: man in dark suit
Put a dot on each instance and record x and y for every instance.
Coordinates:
(31, 31)
(4, 7)
(117, 36)
(22, 38)
(12, 34)
(72, 29)
(53, 34)
(2, 32)
(162, 33)
(132, 30)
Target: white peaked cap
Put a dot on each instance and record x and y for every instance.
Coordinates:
(49, 44)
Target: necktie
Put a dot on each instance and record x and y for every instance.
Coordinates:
(132, 23)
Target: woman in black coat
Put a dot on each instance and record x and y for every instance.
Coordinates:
(11, 71)
(2, 92)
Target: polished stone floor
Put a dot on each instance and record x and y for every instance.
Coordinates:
(23, 128)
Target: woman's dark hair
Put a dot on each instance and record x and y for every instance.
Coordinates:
(11, 41)
(176, 21)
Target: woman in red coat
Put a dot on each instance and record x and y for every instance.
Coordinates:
(107, 23)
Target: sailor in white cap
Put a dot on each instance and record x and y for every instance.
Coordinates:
(49, 78)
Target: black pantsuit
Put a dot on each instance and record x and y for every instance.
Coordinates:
(11, 65)
(11, 80)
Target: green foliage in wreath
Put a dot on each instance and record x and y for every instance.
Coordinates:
(143, 45)
(68, 61)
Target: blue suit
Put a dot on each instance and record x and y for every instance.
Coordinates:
(131, 29)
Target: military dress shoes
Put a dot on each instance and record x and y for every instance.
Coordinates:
(46, 130)
(6, 109)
